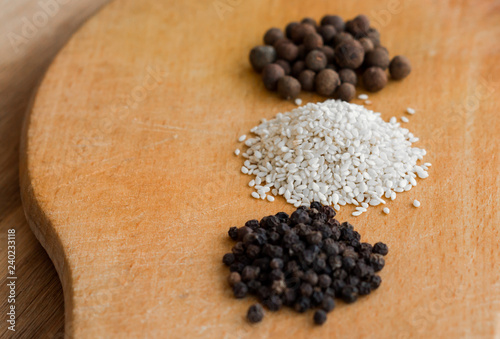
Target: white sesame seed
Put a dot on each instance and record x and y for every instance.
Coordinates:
(244, 170)
(237, 152)
(357, 213)
(270, 198)
(405, 119)
(410, 110)
(335, 153)
(386, 210)
(363, 97)
(368, 102)
(251, 183)
(416, 203)
(255, 195)
(298, 101)
(242, 138)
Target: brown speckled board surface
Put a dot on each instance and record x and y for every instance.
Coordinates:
(130, 182)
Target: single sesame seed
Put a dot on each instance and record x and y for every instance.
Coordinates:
(242, 138)
(270, 198)
(298, 101)
(237, 152)
(416, 203)
(255, 195)
(405, 119)
(410, 110)
(386, 210)
(368, 102)
(363, 97)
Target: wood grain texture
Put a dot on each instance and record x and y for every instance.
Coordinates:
(39, 302)
(130, 184)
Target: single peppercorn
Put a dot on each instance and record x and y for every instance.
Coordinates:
(349, 54)
(233, 233)
(288, 87)
(273, 303)
(302, 304)
(255, 313)
(349, 76)
(272, 35)
(261, 56)
(240, 290)
(364, 288)
(316, 60)
(375, 282)
(289, 28)
(313, 41)
(309, 21)
(329, 53)
(380, 248)
(328, 304)
(374, 36)
(349, 294)
(400, 67)
(374, 79)
(319, 317)
(286, 50)
(326, 82)
(378, 57)
(333, 20)
(327, 32)
(228, 259)
(234, 278)
(346, 92)
(298, 67)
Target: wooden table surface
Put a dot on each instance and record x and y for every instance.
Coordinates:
(129, 180)
(24, 57)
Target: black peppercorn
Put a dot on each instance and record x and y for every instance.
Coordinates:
(306, 289)
(288, 87)
(346, 92)
(255, 313)
(316, 60)
(240, 290)
(349, 294)
(228, 259)
(233, 233)
(333, 20)
(250, 273)
(242, 231)
(374, 79)
(400, 67)
(349, 54)
(311, 277)
(319, 317)
(273, 303)
(272, 35)
(364, 288)
(317, 297)
(349, 76)
(326, 82)
(375, 281)
(302, 304)
(234, 278)
(377, 261)
(328, 304)
(324, 281)
(286, 50)
(261, 56)
(313, 41)
(380, 248)
(276, 264)
(289, 296)
(378, 57)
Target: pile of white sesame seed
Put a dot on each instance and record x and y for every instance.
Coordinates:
(333, 152)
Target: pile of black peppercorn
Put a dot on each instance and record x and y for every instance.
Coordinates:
(302, 261)
(326, 58)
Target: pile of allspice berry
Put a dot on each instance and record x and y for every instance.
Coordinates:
(302, 261)
(327, 58)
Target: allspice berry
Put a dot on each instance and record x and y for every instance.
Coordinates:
(399, 67)
(349, 54)
(326, 82)
(367, 44)
(309, 21)
(306, 79)
(329, 52)
(270, 76)
(374, 36)
(261, 56)
(298, 67)
(374, 79)
(346, 92)
(285, 65)
(288, 87)
(299, 32)
(313, 41)
(358, 26)
(289, 28)
(286, 50)
(378, 57)
(333, 20)
(327, 32)
(347, 75)
(272, 35)
(316, 60)
(341, 37)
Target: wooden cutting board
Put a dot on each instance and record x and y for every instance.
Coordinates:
(130, 183)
